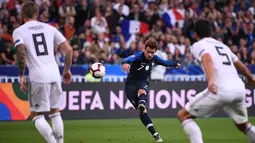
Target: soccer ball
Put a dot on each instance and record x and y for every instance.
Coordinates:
(97, 70)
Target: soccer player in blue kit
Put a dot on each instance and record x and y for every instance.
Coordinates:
(139, 67)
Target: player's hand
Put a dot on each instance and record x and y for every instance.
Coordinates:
(67, 76)
(212, 88)
(125, 68)
(23, 86)
(251, 82)
(178, 65)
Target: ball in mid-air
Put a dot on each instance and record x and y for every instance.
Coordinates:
(97, 70)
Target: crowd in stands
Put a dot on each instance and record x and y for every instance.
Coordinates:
(95, 31)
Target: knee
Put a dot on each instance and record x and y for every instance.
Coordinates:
(142, 113)
(34, 114)
(55, 114)
(242, 127)
(183, 115)
(53, 111)
(180, 115)
(141, 91)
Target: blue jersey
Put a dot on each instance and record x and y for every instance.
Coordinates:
(140, 68)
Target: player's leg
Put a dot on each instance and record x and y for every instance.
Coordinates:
(238, 112)
(39, 103)
(190, 127)
(55, 116)
(203, 105)
(146, 120)
(142, 95)
(142, 100)
(131, 93)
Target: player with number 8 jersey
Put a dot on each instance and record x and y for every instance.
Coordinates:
(35, 42)
(39, 39)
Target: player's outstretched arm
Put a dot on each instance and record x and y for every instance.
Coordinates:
(166, 63)
(129, 60)
(243, 70)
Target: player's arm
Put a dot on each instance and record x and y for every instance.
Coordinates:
(208, 67)
(21, 53)
(204, 57)
(21, 58)
(166, 63)
(62, 43)
(242, 68)
(129, 60)
(21, 65)
(68, 54)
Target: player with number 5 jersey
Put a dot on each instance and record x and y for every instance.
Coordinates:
(35, 42)
(225, 89)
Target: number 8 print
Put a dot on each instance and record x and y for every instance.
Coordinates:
(39, 40)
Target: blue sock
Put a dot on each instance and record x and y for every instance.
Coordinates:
(142, 99)
(147, 122)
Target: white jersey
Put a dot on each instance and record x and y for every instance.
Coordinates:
(225, 74)
(39, 39)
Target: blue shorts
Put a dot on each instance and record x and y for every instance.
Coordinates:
(132, 89)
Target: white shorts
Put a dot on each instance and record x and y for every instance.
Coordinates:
(205, 104)
(45, 96)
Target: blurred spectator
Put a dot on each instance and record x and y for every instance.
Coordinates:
(67, 9)
(136, 14)
(83, 13)
(99, 45)
(252, 8)
(43, 3)
(234, 49)
(69, 28)
(181, 47)
(83, 29)
(43, 16)
(98, 23)
(6, 35)
(112, 19)
(252, 58)
(158, 72)
(8, 56)
(122, 9)
(77, 59)
(5, 17)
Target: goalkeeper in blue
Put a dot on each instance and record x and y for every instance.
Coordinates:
(139, 67)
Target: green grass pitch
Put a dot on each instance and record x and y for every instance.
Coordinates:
(215, 130)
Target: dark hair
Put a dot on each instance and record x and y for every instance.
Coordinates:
(152, 43)
(203, 28)
(29, 9)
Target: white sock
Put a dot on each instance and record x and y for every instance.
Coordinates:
(44, 128)
(250, 132)
(57, 127)
(193, 131)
